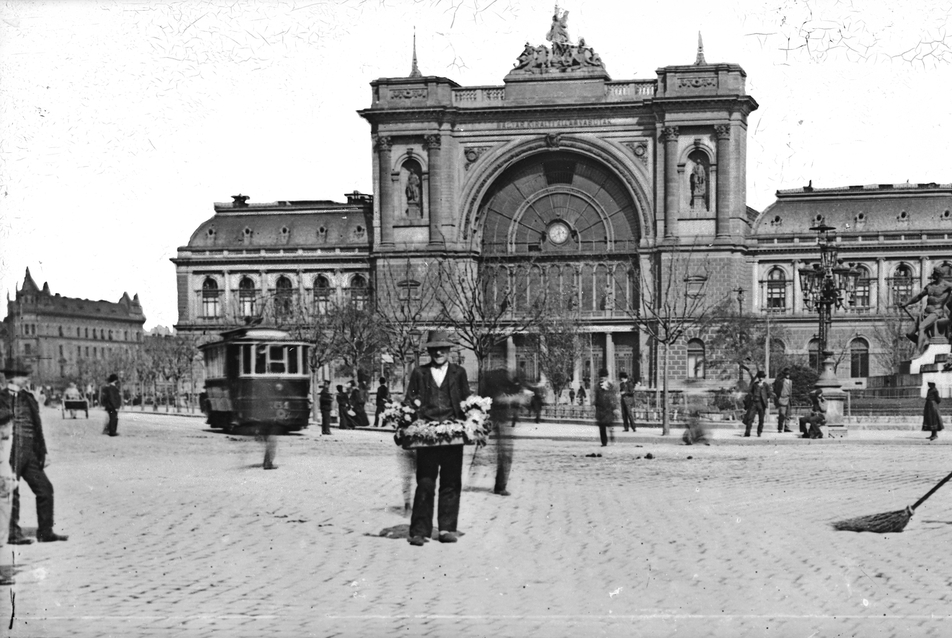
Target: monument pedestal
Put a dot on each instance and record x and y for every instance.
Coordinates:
(835, 399)
(929, 365)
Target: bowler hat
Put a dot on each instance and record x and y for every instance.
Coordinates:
(113, 377)
(438, 339)
(16, 367)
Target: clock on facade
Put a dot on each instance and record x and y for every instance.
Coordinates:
(558, 233)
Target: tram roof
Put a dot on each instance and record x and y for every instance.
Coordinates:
(255, 334)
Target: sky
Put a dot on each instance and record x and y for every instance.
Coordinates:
(122, 122)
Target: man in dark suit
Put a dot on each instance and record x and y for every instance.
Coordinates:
(383, 395)
(29, 455)
(326, 402)
(758, 398)
(435, 391)
(111, 402)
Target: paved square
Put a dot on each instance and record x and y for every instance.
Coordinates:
(176, 530)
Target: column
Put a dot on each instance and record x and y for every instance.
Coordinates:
(882, 296)
(722, 222)
(510, 354)
(610, 356)
(384, 145)
(923, 272)
(433, 144)
(670, 137)
(797, 293)
(226, 311)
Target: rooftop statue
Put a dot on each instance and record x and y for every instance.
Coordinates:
(563, 57)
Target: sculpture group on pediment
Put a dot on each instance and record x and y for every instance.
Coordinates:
(562, 57)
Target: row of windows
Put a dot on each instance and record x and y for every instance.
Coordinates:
(859, 357)
(900, 287)
(284, 294)
(84, 333)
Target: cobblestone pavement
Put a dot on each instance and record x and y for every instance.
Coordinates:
(176, 530)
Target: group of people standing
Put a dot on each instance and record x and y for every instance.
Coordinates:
(351, 400)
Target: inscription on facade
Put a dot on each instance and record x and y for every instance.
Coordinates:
(554, 123)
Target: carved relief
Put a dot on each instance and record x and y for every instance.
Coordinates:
(472, 154)
(407, 94)
(639, 149)
(383, 143)
(563, 57)
(669, 133)
(433, 141)
(723, 131)
(697, 83)
(553, 140)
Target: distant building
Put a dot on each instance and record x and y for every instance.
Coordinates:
(248, 254)
(64, 338)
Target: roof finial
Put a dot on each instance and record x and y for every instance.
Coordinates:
(700, 51)
(415, 70)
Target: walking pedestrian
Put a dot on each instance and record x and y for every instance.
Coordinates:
(111, 402)
(436, 389)
(756, 402)
(344, 420)
(581, 395)
(325, 402)
(383, 396)
(571, 396)
(931, 419)
(604, 405)
(508, 398)
(783, 391)
(30, 455)
(536, 403)
(357, 401)
(627, 391)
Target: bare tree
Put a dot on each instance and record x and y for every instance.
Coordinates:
(737, 339)
(478, 301)
(357, 336)
(894, 347)
(406, 297)
(557, 340)
(674, 300)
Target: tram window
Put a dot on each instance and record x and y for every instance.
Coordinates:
(246, 359)
(292, 359)
(261, 359)
(276, 363)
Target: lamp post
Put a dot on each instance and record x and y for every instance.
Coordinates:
(827, 285)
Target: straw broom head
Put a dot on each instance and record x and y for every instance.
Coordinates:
(886, 523)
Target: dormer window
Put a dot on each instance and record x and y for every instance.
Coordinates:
(903, 216)
(211, 233)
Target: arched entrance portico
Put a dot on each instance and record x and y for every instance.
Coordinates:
(562, 224)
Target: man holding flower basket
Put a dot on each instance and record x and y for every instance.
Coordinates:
(437, 418)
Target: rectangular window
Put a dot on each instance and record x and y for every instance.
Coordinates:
(209, 304)
(293, 364)
(276, 364)
(261, 359)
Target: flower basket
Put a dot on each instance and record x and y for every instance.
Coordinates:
(412, 432)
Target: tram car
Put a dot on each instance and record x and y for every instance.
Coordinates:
(257, 377)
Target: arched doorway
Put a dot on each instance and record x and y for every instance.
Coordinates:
(563, 226)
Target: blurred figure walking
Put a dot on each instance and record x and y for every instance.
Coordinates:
(604, 405)
(508, 397)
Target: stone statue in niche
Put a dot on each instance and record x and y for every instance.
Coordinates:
(413, 191)
(698, 180)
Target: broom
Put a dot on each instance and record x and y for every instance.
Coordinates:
(888, 522)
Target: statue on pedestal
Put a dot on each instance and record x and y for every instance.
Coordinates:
(933, 319)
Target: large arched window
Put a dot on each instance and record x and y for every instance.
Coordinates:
(900, 284)
(859, 358)
(246, 297)
(283, 298)
(696, 359)
(210, 293)
(776, 290)
(322, 294)
(358, 292)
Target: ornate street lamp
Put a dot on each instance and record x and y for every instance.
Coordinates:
(827, 285)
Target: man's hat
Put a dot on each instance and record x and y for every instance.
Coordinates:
(113, 377)
(761, 374)
(16, 367)
(438, 339)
